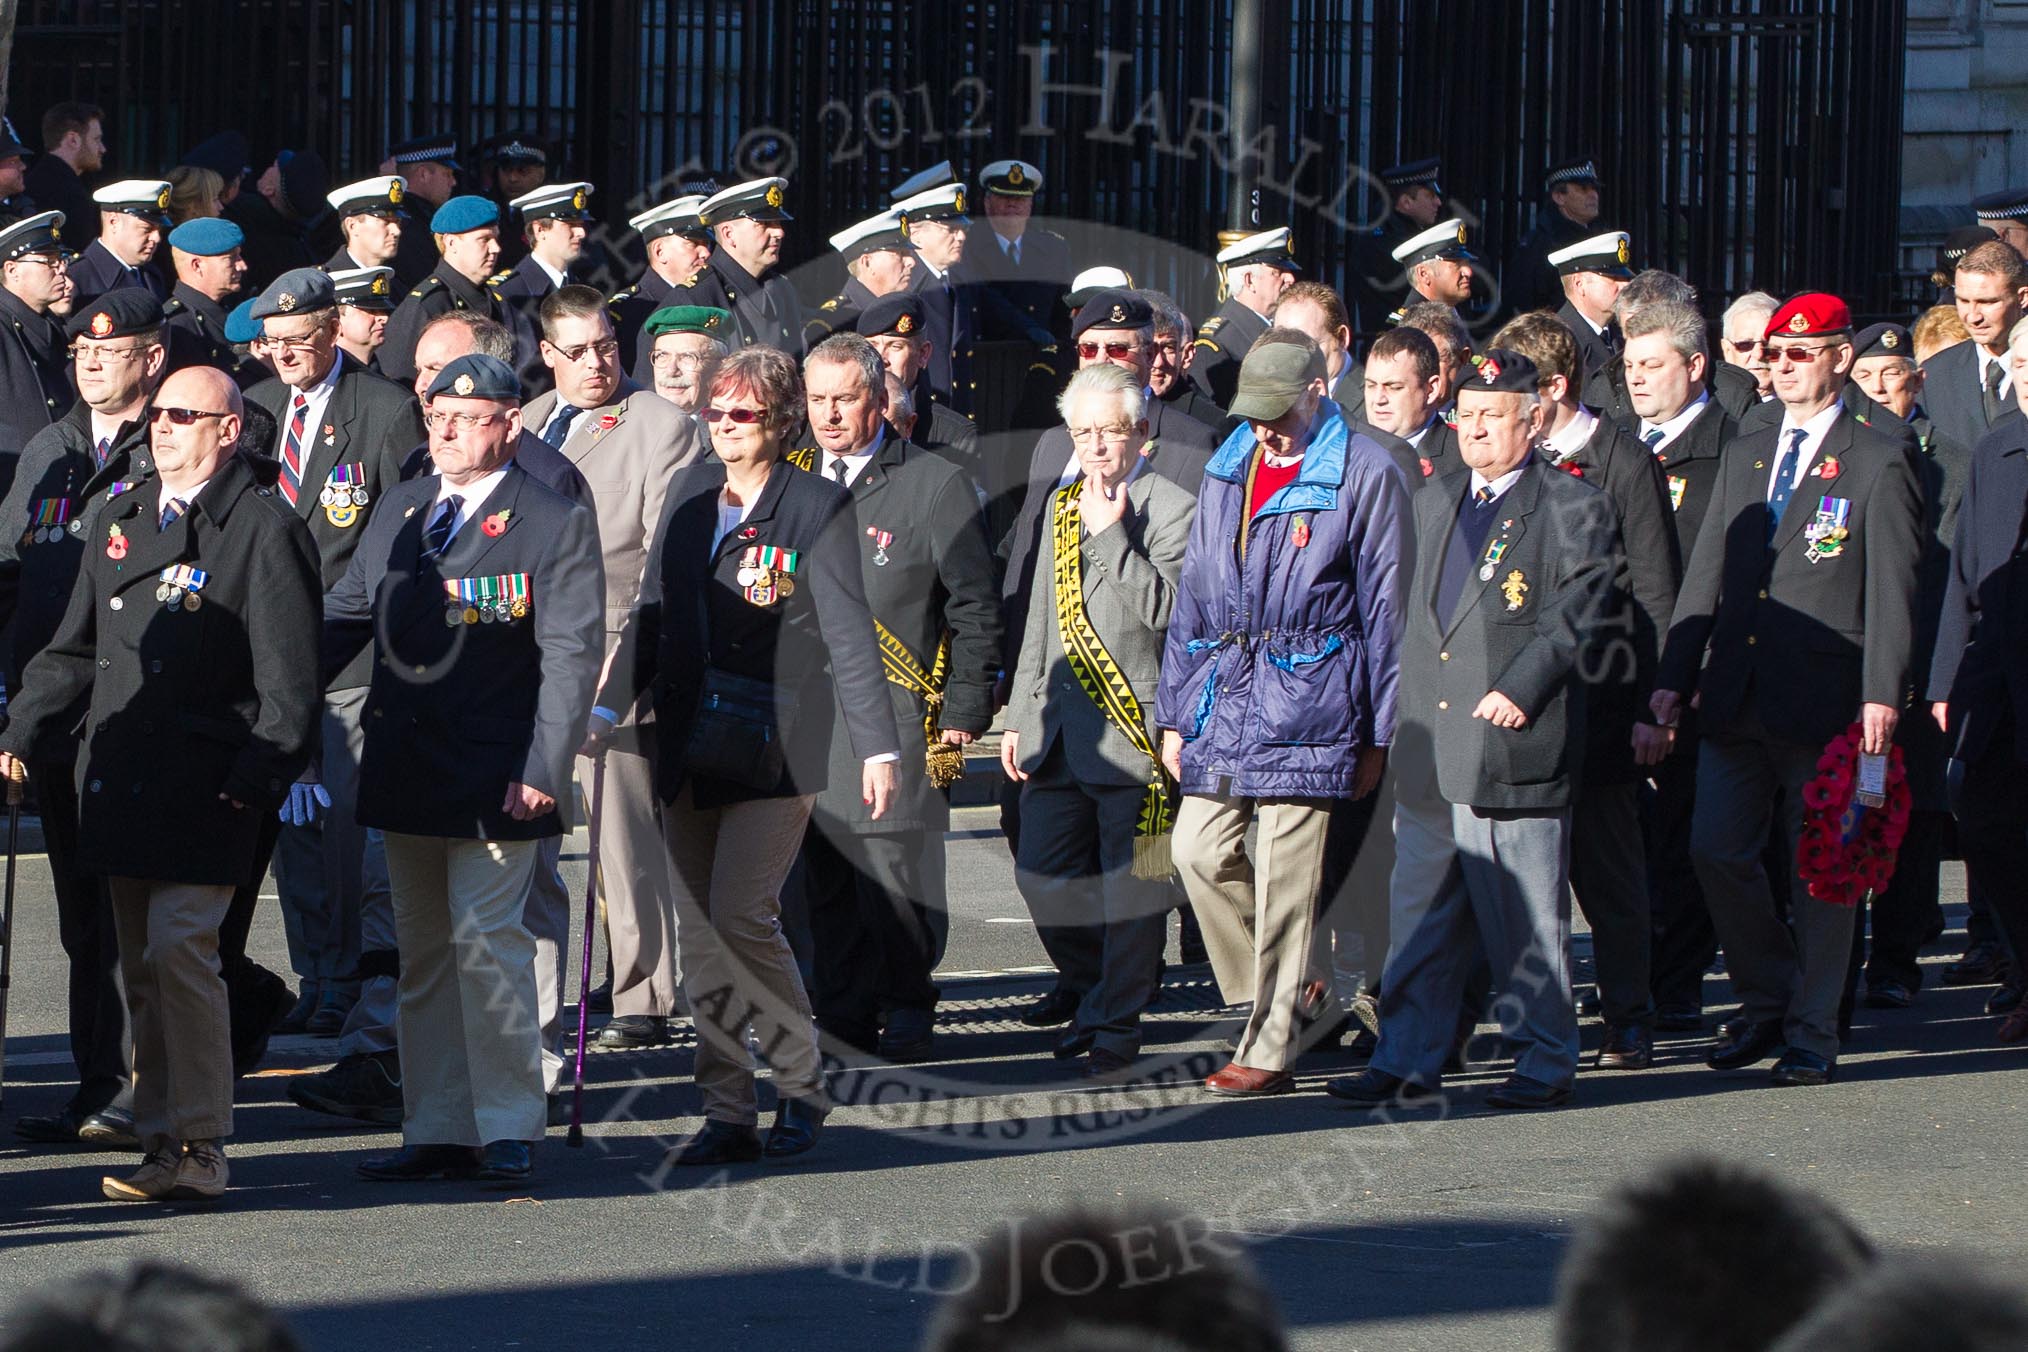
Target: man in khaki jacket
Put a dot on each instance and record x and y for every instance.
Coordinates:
(627, 442)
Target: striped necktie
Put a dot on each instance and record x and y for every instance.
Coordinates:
(291, 480)
(171, 509)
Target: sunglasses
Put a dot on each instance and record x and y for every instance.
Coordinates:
(183, 417)
(1799, 356)
(1744, 344)
(741, 416)
(1115, 351)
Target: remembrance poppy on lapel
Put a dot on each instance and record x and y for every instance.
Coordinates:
(496, 525)
(1828, 467)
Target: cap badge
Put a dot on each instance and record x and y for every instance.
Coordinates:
(1461, 232)
(1489, 370)
(904, 227)
(774, 194)
(1119, 315)
(1889, 341)
(1799, 322)
(1626, 251)
(285, 302)
(379, 287)
(1014, 175)
(577, 200)
(463, 385)
(711, 322)
(102, 324)
(394, 194)
(162, 199)
(905, 324)
(958, 201)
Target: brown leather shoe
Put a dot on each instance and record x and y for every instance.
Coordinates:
(203, 1174)
(2014, 1028)
(153, 1180)
(1237, 1081)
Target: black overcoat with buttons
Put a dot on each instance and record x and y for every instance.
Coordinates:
(187, 707)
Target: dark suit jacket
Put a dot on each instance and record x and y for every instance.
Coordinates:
(693, 613)
(1732, 387)
(458, 712)
(765, 312)
(1414, 469)
(1524, 632)
(544, 463)
(186, 705)
(1984, 624)
(1950, 393)
(55, 186)
(35, 388)
(1775, 641)
(1690, 475)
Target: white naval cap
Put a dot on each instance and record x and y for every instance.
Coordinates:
(936, 176)
(1446, 240)
(1273, 247)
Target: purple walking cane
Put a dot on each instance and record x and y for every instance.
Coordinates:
(14, 795)
(575, 1139)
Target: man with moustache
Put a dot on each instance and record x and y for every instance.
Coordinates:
(684, 349)
(1170, 359)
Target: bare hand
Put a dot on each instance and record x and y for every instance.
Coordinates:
(1652, 744)
(525, 804)
(956, 737)
(1099, 508)
(1367, 770)
(1666, 706)
(1876, 728)
(1500, 711)
(1010, 756)
(237, 806)
(878, 784)
(597, 734)
(1172, 753)
(1941, 712)
(13, 768)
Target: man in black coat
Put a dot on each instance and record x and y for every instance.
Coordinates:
(742, 275)
(897, 326)
(960, 310)
(1978, 684)
(1256, 270)
(73, 145)
(204, 254)
(1608, 866)
(467, 234)
(373, 220)
(90, 455)
(1968, 387)
(429, 166)
(133, 219)
(1414, 198)
(1570, 214)
(1797, 618)
(482, 595)
(930, 585)
(1515, 561)
(1028, 265)
(879, 261)
(1403, 385)
(1592, 271)
(1686, 427)
(341, 435)
(35, 298)
(198, 727)
(553, 221)
(678, 244)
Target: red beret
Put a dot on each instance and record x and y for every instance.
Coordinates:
(1812, 313)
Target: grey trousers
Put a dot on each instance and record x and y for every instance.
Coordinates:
(1793, 971)
(320, 868)
(1463, 878)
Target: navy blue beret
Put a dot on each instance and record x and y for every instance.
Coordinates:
(296, 291)
(477, 376)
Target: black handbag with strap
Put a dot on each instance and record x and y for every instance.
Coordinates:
(739, 730)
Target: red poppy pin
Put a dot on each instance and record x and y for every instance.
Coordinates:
(1572, 468)
(1428, 468)
(1301, 534)
(1827, 468)
(748, 532)
(608, 421)
(495, 525)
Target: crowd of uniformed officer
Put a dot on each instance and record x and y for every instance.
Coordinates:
(1660, 572)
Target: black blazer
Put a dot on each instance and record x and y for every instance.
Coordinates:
(1525, 636)
(693, 613)
(458, 712)
(1794, 645)
(1690, 474)
(1950, 393)
(35, 388)
(196, 337)
(185, 704)
(1984, 624)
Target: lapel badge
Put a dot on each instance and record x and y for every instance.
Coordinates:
(1827, 468)
(1515, 589)
(749, 532)
(495, 525)
(1301, 533)
(116, 542)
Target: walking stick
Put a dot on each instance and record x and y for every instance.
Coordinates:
(575, 1139)
(15, 775)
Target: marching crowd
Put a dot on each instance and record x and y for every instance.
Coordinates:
(1367, 655)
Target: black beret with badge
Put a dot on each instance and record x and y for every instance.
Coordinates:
(119, 313)
(1500, 370)
(1883, 340)
(899, 314)
(1112, 309)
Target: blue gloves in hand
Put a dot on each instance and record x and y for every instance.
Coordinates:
(306, 800)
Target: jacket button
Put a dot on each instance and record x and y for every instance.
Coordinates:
(1763, 593)
(1443, 704)
(105, 662)
(1443, 657)
(1751, 640)
(422, 671)
(116, 603)
(94, 786)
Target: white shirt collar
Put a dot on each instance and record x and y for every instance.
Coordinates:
(105, 429)
(856, 463)
(1415, 438)
(471, 497)
(1813, 439)
(1499, 485)
(1677, 425)
(1987, 361)
(1573, 435)
(556, 279)
(315, 400)
(187, 496)
(1598, 329)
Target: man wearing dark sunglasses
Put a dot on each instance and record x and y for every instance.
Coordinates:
(191, 631)
(1796, 619)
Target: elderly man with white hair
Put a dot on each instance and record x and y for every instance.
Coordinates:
(1743, 330)
(1257, 270)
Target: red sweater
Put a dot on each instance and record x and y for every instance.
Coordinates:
(1268, 480)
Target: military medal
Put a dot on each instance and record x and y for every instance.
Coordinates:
(881, 540)
(1515, 588)
(1828, 531)
(1677, 485)
(117, 487)
(180, 584)
(515, 607)
(747, 566)
(51, 514)
(1494, 553)
(343, 494)
(116, 543)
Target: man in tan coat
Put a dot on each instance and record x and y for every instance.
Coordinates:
(627, 442)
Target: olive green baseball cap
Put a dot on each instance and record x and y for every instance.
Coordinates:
(1272, 377)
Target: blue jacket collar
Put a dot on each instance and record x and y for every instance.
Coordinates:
(1315, 487)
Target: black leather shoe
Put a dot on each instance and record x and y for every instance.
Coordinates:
(2006, 999)
(626, 1032)
(419, 1163)
(1629, 1048)
(1520, 1093)
(1803, 1068)
(910, 1036)
(1073, 1044)
(718, 1143)
(798, 1123)
(1982, 965)
(1755, 1043)
(53, 1129)
(1679, 1019)
(1888, 995)
(110, 1129)
(505, 1162)
(1372, 1088)
(1052, 1009)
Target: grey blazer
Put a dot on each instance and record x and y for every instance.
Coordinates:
(1130, 573)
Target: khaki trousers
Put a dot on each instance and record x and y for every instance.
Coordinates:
(467, 1020)
(727, 866)
(634, 885)
(1258, 914)
(168, 935)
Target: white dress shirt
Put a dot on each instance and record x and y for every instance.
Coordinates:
(1569, 439)
(315, 399)
(1499, 485)
(556, 279)
(1677, 425)
(1813, 439)
(470, 499)
(855, 463)
(1987, 361)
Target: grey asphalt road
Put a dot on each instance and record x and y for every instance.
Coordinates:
(1439, 1232)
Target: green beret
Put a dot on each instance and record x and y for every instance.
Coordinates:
(704, 319)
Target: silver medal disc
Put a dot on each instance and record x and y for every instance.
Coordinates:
(1486, 573)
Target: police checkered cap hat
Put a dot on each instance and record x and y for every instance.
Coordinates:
(757, 199)
(295, 292)
(1963, 240)
(1011, 178)
(1578, 169)
(554, 202)
(1445, 240)
(1274, 247)
(517, 148)
(122, 311)
(1501, 370)
(2009, 204)
(938, 175)
(678, 216)
(946, 203)
(888, 230)
(33, 234)
(427, 150)
(364, 288)
(1400, 178)
(1610, 254)
(10, 142)
(147, 198)
(377, 196)
(477, 376)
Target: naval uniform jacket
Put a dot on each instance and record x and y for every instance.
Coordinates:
(694, 613)
(1524, 627)
(35, 388)
(98, 271)
(1777, 642)
(444, 290)
(928, 571)
(765, 312)
(59, 474)
(196, 337)
(629, 310)
(185, 704)
(457, 712)
(1037, 284)
(840, 314)
(1222, 342)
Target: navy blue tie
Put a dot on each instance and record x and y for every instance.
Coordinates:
(1784, 484)
(438, 537)
(558, 430)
